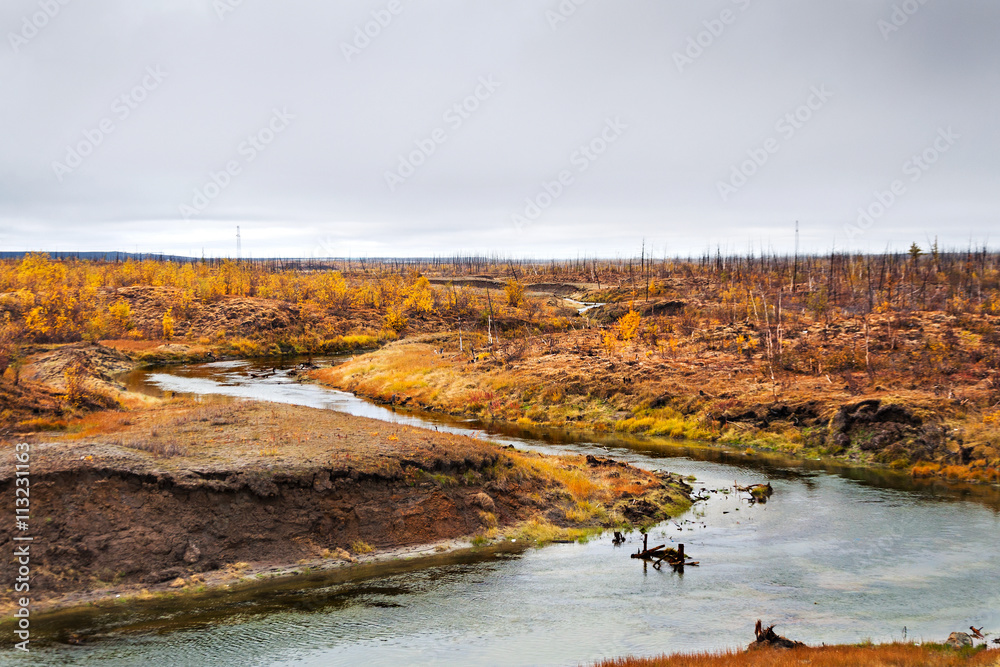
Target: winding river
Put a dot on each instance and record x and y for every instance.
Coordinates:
(839, 555)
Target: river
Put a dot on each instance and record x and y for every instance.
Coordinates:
(839, 555)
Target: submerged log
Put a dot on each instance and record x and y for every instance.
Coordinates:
(758, 492)
(649, 554)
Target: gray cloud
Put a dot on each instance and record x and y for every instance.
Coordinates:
(320, 185)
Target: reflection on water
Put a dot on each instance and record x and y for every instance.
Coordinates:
(837, 555)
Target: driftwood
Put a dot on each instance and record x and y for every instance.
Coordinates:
(768, 638)
(661, 554)
(647, 554)
(758, 492)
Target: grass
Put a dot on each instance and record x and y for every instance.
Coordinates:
(591, 498)
(706, 341)
(886, 655)
(42, 424)
(540, 531)
(152, 444)
(585, 511)
(361, 547)
(665, 422)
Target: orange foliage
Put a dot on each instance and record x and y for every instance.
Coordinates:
(52, 301)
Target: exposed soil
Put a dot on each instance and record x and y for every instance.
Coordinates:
(24, 402)
(182, 495)
(97, 364)
(240, 316)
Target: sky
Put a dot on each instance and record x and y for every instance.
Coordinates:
(526, 128)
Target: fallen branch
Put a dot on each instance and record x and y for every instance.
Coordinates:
(768, 638)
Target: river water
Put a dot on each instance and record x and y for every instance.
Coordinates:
(838, 555)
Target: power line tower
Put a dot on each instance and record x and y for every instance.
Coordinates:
(239, 247)
(795, 265)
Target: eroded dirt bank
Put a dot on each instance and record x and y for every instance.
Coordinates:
(184, 496)
(572, 382)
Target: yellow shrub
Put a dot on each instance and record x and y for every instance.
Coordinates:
(168, 324)
(515, 293)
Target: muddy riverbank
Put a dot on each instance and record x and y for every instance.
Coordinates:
(189, 496)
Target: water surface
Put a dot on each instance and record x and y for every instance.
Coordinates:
(837, 555)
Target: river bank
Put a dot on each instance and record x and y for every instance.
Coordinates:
(570, 382)
(864, 532)
(190, 496)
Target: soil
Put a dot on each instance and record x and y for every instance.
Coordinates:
(98, 364)
(184, 494)
(239, 316)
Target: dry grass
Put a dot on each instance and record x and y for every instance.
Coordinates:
(42, 424)
(888, 655)
(361, 547)
(588, 496)
(541, 531)
(98, 423)
(703, 389)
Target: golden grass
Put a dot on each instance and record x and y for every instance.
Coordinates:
(591, 499)
(42, 424)
(98, 423)
(540, 531)
(568, 471)
(887, 655)
(665, 422)
(361, 547)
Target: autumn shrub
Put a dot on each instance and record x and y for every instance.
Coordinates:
(68, 300)
(515, 293)
(168, 324)
(395, 321)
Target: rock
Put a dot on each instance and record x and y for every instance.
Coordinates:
(958, 640)
(841, 441)
(321, 482)
(192, 554)
(178, 583)
(163, 575)
(483, 502)
(897, 414)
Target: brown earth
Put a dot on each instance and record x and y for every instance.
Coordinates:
(26, 403)
(209, 493)
(98, 364)
(239, 316)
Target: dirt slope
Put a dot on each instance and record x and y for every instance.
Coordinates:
(191, 491)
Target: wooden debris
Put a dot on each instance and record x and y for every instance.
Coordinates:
(661, 554)
(767, 638)
(649, 554)
(759, 493)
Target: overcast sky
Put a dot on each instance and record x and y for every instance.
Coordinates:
(525, 127)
